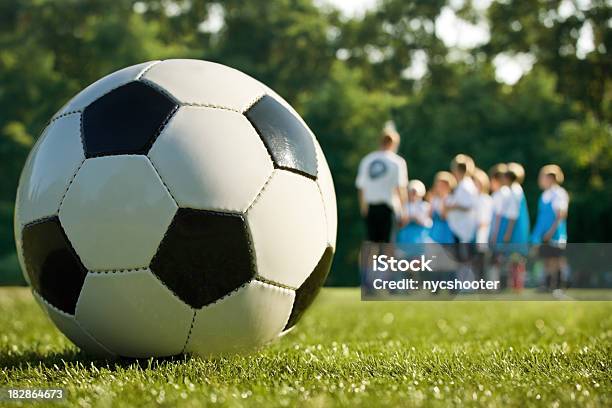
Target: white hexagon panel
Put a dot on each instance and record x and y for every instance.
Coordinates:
(44, 179)
(133, 314)
(288, 227)
(116, 212)
(205, 83)
(211, 159)
(258, 311)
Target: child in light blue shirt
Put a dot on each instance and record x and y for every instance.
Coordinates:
(550, 230)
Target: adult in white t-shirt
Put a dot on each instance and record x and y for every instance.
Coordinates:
(382, 182)
(462, 204)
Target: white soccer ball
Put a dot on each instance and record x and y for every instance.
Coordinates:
(175, 206)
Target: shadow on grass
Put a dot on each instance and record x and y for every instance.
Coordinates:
(75, 358)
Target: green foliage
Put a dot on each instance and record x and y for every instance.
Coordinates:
(588, 145)
(585, 146)
(344, 353)
(537, 27)
(346, 77)
(281, 43)
(383, 42)
(10, 273)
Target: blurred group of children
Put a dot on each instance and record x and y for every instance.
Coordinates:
(487, 217)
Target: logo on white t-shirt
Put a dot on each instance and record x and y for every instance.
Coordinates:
(377, 169)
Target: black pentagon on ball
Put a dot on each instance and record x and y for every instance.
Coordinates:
(55, 270)
(127, 120)
(307, 292)
(288, 141)
(204, 256)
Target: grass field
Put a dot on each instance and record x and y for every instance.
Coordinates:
(344, 352)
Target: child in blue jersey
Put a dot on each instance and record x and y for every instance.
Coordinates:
(440, 232)
(520, 232)
(550, 229)
(416, 229)
(550, 224)
(517, 234)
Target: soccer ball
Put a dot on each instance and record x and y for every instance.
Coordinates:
(172, 207)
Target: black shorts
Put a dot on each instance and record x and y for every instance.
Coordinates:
(379, 223)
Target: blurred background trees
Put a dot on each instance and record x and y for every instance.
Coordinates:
(347, 77)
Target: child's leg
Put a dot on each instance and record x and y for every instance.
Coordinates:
(552, 271)
(478, 265)
(492, 272)
(565, 271)
(513, 275)
(519, 273)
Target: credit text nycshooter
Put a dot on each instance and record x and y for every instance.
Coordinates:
(434, 286)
